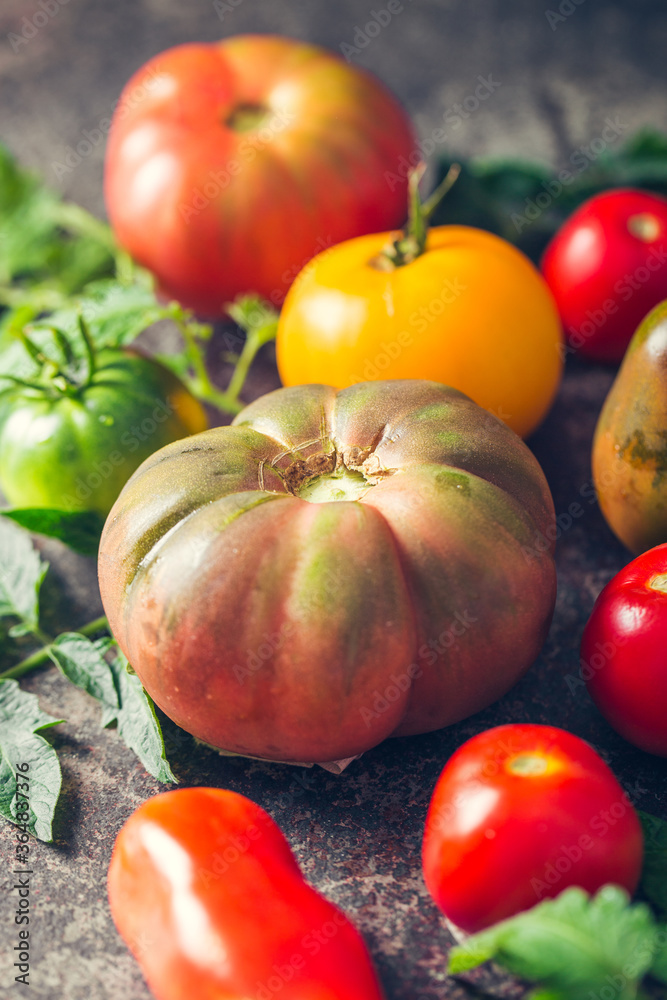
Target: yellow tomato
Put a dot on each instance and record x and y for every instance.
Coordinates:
(471, 312)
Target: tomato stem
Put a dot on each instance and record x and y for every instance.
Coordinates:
(43, 298)
(90, 349)
(41, 656)
(259, 321)
(412, 241)
(434, 199)
(200, 385)
(15, 380)
(33, 350)
(659, 582)
(528, 765)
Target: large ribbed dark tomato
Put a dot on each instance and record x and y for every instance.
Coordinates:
(332, 569)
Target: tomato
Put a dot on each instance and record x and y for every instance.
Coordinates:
(606, 269)
(207, 895)
(332, 569)
(465, 308)
(230, 165)
(519, 813)
(73, 446)
(624, 651)
(472, 312)
(629, 455)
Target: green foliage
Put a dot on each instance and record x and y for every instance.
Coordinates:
(20, 720)
(572, 945)
(80, 530)
(501, 195)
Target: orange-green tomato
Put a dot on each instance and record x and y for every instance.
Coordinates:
(471, 312)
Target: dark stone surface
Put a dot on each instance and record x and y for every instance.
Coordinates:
(357, 836)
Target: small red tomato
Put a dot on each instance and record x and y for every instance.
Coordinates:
(520, 813)
(207, 895)
(624, 651)
(607, 269)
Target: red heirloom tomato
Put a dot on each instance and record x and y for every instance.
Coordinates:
(332, 569)
(230, 165)
(520, 813)
(606, 269)
(624, 651)
(208, 897)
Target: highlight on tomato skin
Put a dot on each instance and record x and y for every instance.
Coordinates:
(519, 813)
(624, 652)
(206, 893)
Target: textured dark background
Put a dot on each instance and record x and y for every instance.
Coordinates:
(357, 836)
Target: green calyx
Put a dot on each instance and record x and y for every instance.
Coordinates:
(659, 582)
(342, 484)
(65, 376)
(247, 117)
(528, 765)
(412, 241)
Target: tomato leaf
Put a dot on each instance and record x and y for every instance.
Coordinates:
(659, 965)
(80, 530)
(34, 245)
(120, 694)
(20, 720)
(115, 313)
(83, 663)
(654, 871)
(22, 571)
(571, 945)
(526, 202)
(27, 235)
(137, 722)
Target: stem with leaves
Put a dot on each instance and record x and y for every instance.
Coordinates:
(41, 656)
(412, 241)
(256, 318)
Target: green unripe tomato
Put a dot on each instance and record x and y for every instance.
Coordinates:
(75, 449)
